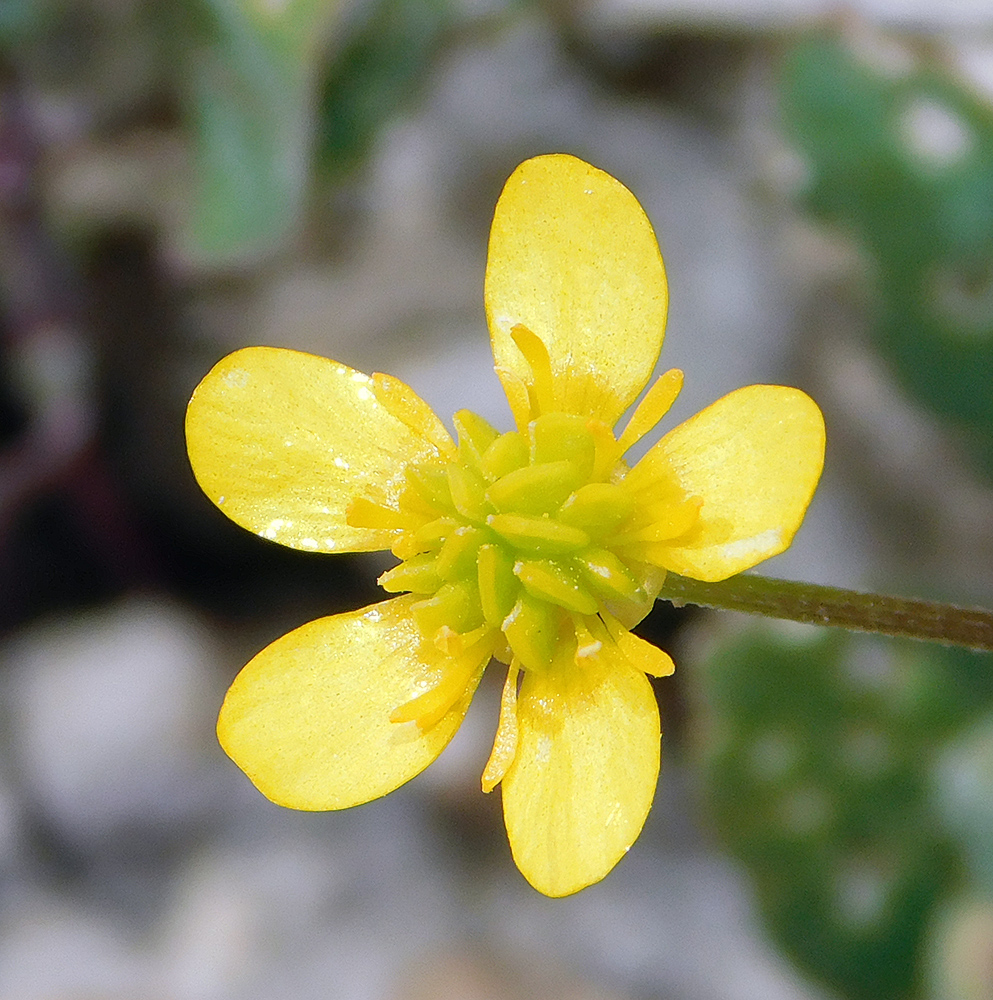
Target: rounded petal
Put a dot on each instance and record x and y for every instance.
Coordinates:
(308, 719)
(283, 441)
(582, 781)
(754, 457)
(573, 258)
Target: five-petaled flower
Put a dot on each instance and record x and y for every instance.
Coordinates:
(540, 547)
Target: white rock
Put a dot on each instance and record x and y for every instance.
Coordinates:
(307, 906)
(52, 947)
(780, 15)
(112, 718)
(668, 921)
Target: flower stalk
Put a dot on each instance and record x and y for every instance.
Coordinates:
(902, 617)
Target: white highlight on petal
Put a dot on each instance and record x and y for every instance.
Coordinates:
(237, 378)
(757, 545)
(274, 527)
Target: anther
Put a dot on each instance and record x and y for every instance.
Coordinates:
(542, 386)
(652, 408)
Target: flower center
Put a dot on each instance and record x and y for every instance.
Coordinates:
(528, 539)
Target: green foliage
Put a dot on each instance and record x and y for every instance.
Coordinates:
(266, 102)
(22, 20)
(269, 89)
(818, 749)
(963, 795)
(250, 92)
(904, 162)
(376, 75)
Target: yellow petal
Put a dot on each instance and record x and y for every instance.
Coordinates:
(308, 719)
(754, 457)
(577, 793)
(282, 442)
(573, 258)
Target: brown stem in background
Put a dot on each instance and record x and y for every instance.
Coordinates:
(51, 364)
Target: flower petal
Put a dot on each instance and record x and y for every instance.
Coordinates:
(573, 258)
(308, 719)
(283, 441)
(577, 793)
(754, 457)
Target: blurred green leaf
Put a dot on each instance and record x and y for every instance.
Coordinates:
(293, 29)
(904, 162)
(818, 749)
(20, 20)
(251, 96)
(30, 30)
(377, 75)
(963, 796)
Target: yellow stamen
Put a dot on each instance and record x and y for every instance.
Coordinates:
(642, 655)
(542, 386)
(364, 513)
(462, 657)
(456, 644)
(505, 743)
(430, 708)
(517, 396)
(587, 645)
(652, 408)
(419, 575)
(607, 453)
(400, 401)
(671, 521)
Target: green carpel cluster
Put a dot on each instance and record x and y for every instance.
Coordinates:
(515, 534)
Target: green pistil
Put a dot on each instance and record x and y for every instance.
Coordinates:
(540, 535)
(555, 582)
(535, 489)
(498, 586)
(513, 535)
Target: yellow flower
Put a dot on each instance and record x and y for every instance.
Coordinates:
(539, 547)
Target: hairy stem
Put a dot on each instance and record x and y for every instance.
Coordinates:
(931, 621)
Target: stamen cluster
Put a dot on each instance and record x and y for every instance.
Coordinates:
(521, 540)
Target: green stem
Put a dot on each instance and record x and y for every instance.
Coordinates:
(807, 602)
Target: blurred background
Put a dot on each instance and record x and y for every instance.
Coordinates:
(179, 180)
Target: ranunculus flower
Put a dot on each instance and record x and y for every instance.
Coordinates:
(539, 547)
